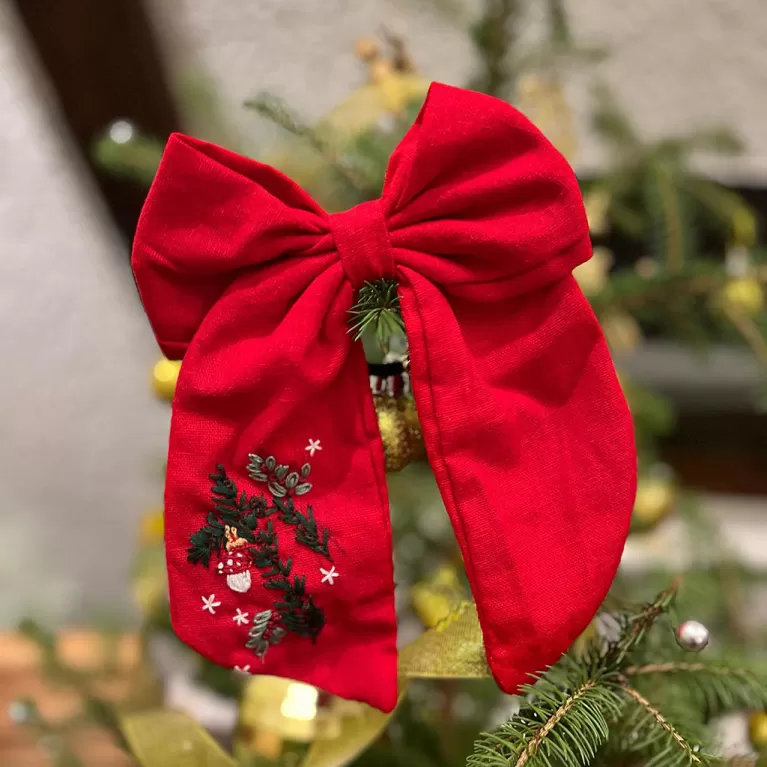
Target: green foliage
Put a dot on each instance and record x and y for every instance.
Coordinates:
(655, 195)
(137, 158)
(555, 726)
(346, 172)
(608, 706)
(377, 312)
(494, 35)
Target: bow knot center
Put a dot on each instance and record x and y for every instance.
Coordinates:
(362, 241)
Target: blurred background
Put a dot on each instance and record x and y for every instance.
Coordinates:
(659, 107)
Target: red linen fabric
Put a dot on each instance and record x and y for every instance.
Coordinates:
(481, 222)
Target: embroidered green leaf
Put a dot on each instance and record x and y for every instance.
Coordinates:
(307, 533)
(295, 611)
(264, 633)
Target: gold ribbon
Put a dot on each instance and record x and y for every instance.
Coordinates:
(360, 727)
(162, 738)
(453, 649)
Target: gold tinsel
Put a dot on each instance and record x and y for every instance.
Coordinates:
(400, 430)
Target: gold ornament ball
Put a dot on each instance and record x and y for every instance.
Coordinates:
(757, 730)
(744, 295)
(400, 430)
(655, 500)
(164, 378)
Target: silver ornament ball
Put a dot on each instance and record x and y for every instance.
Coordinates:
(692, 636)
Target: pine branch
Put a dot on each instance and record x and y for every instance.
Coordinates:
(683, 752)
(567, 725)
(636, 626)
(494, 36)
(716, 688)
(276, 110)
(570, 712)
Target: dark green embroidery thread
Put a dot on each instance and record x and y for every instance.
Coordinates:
(233, 533)
(307, 532)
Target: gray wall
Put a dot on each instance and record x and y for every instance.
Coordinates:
(81, 440)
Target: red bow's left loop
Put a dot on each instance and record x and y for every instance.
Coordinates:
(278, 538)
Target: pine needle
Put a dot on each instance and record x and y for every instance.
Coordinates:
(277, 111)
(377, 311)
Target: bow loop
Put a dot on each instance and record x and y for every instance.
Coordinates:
(480, 197)
(209, 215)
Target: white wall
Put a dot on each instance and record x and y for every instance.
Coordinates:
(81, 440)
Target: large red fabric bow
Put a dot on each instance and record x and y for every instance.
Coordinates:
(277, 525)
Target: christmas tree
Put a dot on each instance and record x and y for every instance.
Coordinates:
(629, 692)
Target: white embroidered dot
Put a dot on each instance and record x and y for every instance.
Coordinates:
(313, 447)
(240, 618)
(210, 604)
(328, 576)
(229, 562)
(220, 565)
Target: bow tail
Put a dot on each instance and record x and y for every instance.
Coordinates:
(274, 404)
(540, 500)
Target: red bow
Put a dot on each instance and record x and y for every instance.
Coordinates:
(480, 222)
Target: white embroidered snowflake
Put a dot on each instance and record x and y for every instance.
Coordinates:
(313, 447)
(241, 617)
(328, 576)
(210, 604)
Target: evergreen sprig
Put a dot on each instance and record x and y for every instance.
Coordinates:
(230, 508)
(297, 610)
(307, 532)
(377, 311)
(602, 705)
(277, 111)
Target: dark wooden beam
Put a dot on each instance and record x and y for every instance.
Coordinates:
(103, 62)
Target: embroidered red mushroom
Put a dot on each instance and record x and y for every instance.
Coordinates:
(236, 565)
